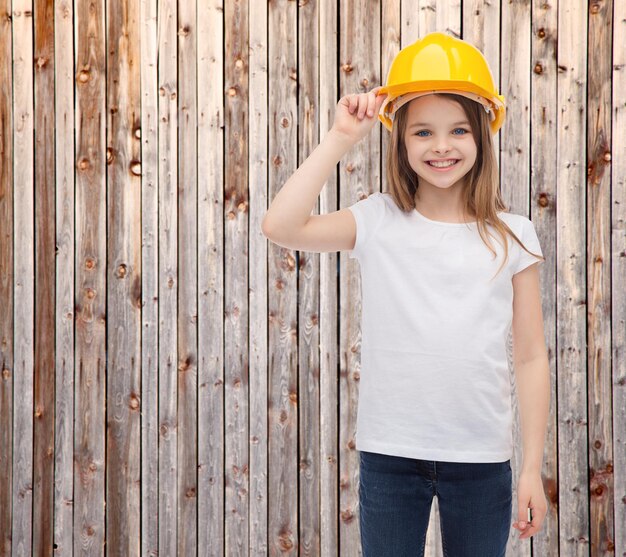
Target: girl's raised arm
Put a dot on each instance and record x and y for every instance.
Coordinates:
(288, 221)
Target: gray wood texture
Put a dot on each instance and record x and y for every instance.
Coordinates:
(174, 384)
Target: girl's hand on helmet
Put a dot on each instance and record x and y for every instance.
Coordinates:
(356, 114)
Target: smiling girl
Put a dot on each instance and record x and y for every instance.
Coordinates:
(449, 279)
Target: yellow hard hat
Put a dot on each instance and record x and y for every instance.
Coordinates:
(440, 63)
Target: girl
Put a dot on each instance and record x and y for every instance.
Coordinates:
(447, 281)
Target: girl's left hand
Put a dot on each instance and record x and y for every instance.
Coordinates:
(530, 495)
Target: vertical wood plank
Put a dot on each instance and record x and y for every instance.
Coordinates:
(65, 278)
(618, 271)
(168, 275)
(236, 369)
(7, 277)
(571, 299)
(150, 275)
(543, 176)
(329, 538)
(308, 297)
(282, 290)
(515, 168)
(359, 59)
(123, 117)
(24, 284)
(211, 302)
(43, 443)
(601, 492)
(90, 300)
(187, 366)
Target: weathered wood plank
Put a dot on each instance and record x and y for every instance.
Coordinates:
(618, 272)
(515, 171)
(7, 278)
(308, 298)
(328, 334)
(23, 284)
(90, 294)
(211, 302)
(543, 176)
(236, 366)
(150, 275)
(168, 276)
(65, 278)
(359, 175)
(599, 70)
(571, 295)
(187, 410)
(123, 115)
(43, 443)
(283, 527)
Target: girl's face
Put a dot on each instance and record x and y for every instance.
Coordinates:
(438, 128)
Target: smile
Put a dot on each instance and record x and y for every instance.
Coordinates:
(440, 166)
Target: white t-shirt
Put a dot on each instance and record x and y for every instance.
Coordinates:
(435, 381)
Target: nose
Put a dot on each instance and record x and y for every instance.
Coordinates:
(442, 145)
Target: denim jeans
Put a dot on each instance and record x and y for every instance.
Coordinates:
(395, 497)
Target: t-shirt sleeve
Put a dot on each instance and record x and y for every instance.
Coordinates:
(531, 241)
(368, 214)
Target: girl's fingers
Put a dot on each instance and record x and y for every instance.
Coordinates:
(362, 105)
(353, 103)
(371, 103)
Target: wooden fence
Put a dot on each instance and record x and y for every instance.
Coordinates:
(174, 384)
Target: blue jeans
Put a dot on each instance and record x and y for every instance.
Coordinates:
(396, 493)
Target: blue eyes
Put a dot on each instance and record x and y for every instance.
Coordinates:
(462, 129)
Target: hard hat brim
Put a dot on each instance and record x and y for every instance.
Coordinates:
(399, 95)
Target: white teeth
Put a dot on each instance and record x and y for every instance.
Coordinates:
(442, 164)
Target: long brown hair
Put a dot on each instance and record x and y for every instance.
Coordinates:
(481, 196)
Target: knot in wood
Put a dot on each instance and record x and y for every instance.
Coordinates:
(538, 69)
(541, 33)
(347, 67)
(110, 155)
(135, 168)
(285, 541)
(347, 516)
(121, 270)
(84, 76)
(134, 401)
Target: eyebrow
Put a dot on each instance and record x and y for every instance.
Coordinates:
(415, 124)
